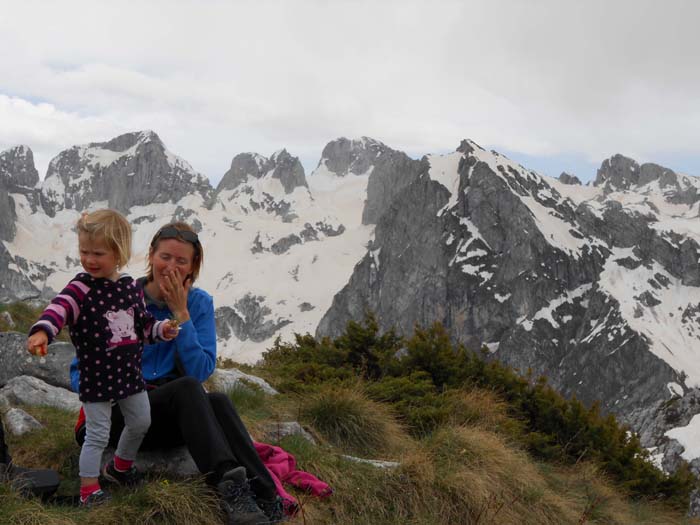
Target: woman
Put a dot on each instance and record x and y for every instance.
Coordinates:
(182, 413)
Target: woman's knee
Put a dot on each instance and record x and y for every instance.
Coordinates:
(187, 386)
(217, 399)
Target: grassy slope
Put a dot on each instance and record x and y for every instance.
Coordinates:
(459, 474)
(470, 470)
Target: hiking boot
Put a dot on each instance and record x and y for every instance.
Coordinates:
(129, 478)
(98, 497)
(238, 501)
(273, 509)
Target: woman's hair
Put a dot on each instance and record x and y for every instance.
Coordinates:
(183, 232)
(111, 228)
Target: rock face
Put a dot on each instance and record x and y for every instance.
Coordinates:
(129, 170)
(282, 166)
(17, 170)
(622, 173)
(389, 170)
(248, 319)
(567, 178)
(570, 283)
(255, 183)
(17, 175)
(14, 283)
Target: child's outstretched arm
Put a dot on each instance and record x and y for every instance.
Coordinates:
(37, 343)
(63, 309)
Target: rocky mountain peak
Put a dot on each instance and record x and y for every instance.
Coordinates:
(17, 168)
(288, 170)
(131, 169)
(568, 178)
(127, 141)
(620, 173)
(343, 156)
(281, 165)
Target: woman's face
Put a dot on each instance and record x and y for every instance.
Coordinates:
(170, 255)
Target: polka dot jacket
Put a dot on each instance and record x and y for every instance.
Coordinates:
(108, 324)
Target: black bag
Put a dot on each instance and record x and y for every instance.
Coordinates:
(41, 483)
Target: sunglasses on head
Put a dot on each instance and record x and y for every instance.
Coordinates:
(171, 232)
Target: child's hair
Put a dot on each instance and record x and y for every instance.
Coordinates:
(110, 227)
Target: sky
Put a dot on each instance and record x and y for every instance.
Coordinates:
(555, 85)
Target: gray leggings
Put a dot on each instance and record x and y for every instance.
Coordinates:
(98, 418)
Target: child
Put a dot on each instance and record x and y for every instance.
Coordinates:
(108, 323)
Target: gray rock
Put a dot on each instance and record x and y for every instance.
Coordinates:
(27, 390)
(173, 462)
(18, 422)
(16, 361)
(7, 319)
(274, 432)
(226, 379)
(374, 462)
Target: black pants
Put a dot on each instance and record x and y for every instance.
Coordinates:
(182, 413)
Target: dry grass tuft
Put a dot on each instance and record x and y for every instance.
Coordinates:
(348, 419)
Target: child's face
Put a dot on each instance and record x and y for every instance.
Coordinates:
(97, 258)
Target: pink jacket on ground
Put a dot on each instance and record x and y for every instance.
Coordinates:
(283, 468)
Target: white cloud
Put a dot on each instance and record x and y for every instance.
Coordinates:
(217, 78)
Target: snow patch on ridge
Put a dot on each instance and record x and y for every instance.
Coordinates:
(671, 339)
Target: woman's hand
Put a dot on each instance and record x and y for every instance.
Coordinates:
(37, 343)
(175, 294)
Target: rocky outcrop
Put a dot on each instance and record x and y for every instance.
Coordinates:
(248, 319)
(16, 361)
(619, 173)
(226, 379)
(18, 422)
(17, 175)
(14, 283)
(129, 170)
(28, 390)
(17, 170)
(567, 178)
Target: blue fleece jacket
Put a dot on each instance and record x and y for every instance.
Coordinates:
(194, 348)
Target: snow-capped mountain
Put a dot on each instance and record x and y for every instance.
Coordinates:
(130, 170)
(597, 287)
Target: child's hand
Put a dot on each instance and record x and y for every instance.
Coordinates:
(37, 343)
(171, 329)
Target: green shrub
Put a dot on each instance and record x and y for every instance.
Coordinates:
(419, 376)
